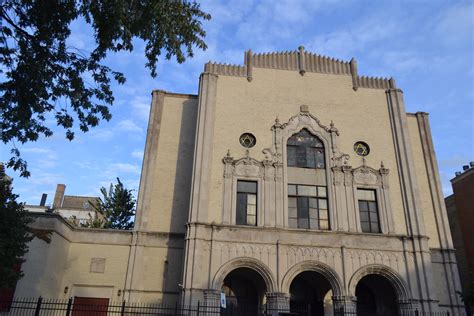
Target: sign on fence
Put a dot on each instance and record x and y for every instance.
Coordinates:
(223, 302)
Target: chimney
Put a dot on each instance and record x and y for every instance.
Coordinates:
(43, 199)
(59, 195)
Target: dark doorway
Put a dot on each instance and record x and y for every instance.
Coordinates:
(309, 293)
(376, 296)
(244, 289)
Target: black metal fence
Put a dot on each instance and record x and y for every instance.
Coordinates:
(70, 307)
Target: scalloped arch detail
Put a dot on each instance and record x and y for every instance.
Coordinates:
(315, 266)
(244, 262)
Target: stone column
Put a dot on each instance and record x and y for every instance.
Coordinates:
(212, 302)
(406, 308)
(344, 305)
(277, 302)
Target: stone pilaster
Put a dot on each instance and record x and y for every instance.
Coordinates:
(277, 302)
(406, 308)
(344, 305)
(212, 302)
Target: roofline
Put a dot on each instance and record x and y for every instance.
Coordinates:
(174, 94)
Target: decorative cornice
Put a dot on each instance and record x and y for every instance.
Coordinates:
(301, 61)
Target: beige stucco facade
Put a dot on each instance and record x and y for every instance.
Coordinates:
(186, 242)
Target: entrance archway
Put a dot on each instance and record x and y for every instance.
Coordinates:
(311, 294)
(376, 296)
(245, 290)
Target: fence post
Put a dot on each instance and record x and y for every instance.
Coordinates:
(122, 311)
(198, 308)
(416, 312)
(309, 309)
(176, 309)
(69, 306)
(38, 306)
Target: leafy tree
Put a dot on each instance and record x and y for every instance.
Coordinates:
(43, 77)
(117, 206)
(14, 232)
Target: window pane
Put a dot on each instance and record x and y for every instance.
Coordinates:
(319, 158)
(366, 195)
(251, 199)
(292, 212)
(247, 186)
(292, 202)
(251, 220)
(374, 227)
(251, 210)
(323, 214)
(301, 156)
(322, 191)
(313, 224)
(313, 213)
(323, 224)
(364, 216)
(372, 207)
(291, 189)
(313, 202)
(306, 190)
(311, 157)
(293, 222)
(365, 227)
(363, 206)
(303, 223)
(323, 204)
(241, 209)
(291, 152)
(302, 207)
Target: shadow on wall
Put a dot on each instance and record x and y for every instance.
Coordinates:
(172, 269)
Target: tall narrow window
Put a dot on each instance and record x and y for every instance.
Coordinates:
(246, 203)
(369, 215)
(304, 150)
(308, 207)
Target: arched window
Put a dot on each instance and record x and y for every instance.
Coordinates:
(304, 150)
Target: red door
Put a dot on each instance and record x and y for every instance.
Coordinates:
(90, 306)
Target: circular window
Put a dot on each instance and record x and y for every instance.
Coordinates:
(247, 140)
(361, 148)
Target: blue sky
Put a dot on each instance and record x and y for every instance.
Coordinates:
(426, 45)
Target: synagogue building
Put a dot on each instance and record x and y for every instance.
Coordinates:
(289, 180)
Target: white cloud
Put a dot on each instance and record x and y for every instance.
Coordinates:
(141, 107)
(101, 134)
(117, 168)
(137, 154)
(354, 38)
(456, 25)
(129, 126)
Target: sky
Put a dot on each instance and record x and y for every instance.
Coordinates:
(426, 45)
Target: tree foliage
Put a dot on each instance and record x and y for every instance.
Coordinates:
(43, 77)
(117, 205)
(14, 232)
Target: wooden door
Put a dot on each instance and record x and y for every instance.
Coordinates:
(90, 306)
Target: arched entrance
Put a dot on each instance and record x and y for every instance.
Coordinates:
(376, 296)
(245, 290)
(379, 291)
(311, 294)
